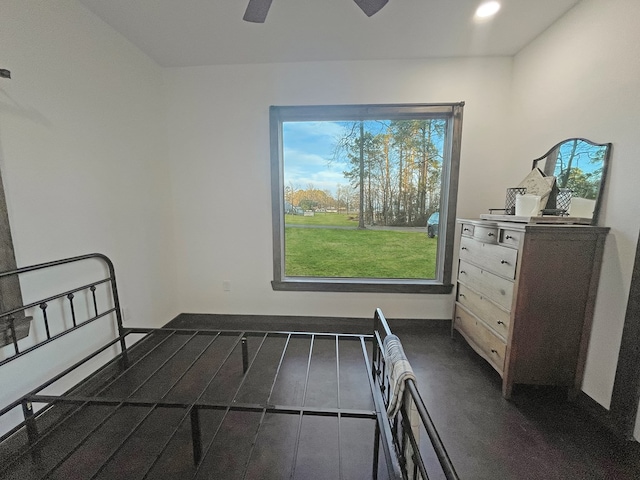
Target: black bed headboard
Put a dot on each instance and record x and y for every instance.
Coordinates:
(16, 318)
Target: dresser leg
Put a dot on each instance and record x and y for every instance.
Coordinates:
(507, 389)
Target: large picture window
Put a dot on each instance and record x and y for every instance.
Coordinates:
(364, 196)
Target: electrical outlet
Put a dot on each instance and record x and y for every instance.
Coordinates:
(226, 285)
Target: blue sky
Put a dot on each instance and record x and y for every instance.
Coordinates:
(581, 161)
(308, 154)
(308, 150)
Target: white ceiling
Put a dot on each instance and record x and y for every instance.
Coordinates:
(207, 32)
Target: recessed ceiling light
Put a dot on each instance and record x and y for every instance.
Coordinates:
(487, 9)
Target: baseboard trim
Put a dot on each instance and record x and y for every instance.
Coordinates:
(300, 322)
(603, 416)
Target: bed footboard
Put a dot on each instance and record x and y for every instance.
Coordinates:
(11, 317)
(411, 417)
(89, 296)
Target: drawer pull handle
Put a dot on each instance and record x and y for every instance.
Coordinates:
(463, 272)
(504, 262)
(508, 237)
(494, 351)
(463, 248)
(490, 234)
(461, 295)
(466, 229)
(500, 322)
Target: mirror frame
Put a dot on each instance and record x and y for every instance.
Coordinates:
(605, 168)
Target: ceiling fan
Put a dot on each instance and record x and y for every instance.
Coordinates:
(257, 9)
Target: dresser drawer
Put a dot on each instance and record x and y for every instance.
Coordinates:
(467, 229)
(486, 310)
(495, 288)
(510, 238)
(495, 258)
(488, 234)
(481, 338)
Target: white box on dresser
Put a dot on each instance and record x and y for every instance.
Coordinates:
(525, 295)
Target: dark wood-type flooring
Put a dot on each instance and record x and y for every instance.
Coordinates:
(535, 435)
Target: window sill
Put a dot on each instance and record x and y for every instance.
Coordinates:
(373, 286)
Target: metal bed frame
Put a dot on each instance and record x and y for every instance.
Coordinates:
(194, 403)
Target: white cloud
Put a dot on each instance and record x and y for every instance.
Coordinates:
(303, 169)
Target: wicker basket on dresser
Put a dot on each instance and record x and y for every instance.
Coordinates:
(525, 298)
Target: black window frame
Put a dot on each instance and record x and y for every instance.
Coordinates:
(452, 112)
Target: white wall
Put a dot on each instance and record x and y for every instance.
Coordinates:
(582, 78)
(83, 154)
(219, 144)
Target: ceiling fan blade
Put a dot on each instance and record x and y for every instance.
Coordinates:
(370, 7)
(257, 11)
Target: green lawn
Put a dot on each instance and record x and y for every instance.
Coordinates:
(352, 253)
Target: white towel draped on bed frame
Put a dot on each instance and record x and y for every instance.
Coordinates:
(401, 371)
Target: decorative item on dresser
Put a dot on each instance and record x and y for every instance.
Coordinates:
(570, 181)
(525, 298)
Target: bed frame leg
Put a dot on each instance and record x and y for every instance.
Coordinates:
(245, 355)
(195, 435)
(124, 357)
(376, 453)
(32, 428)
(30, 422)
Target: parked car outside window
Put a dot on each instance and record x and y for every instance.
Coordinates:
(432, 224)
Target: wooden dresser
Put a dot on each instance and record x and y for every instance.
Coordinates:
(525, 298)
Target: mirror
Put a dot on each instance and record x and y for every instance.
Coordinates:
(580, 167)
